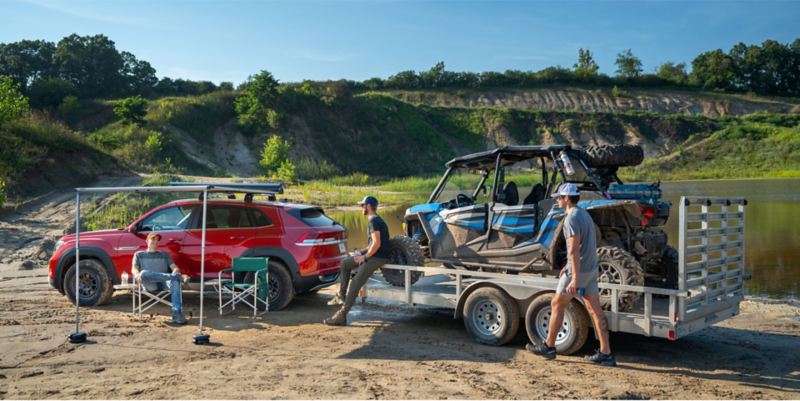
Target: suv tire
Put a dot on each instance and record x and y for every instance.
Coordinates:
(95, 285)
(617, 266)
(403, 251)
(281, 290)
(611, 155)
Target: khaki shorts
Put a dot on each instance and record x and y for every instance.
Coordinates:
(585, 280)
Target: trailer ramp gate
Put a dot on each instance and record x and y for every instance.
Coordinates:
(710, 282)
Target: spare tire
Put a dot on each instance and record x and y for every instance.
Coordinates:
(611, 155)
(403, 251)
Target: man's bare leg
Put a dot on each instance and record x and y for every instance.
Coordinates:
(600, 321)
(558, 305)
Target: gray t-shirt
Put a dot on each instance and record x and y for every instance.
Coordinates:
(157, 261)
(578, 222)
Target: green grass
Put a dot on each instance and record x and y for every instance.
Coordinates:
(199, 116)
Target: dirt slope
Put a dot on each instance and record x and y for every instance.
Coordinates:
(664, 102)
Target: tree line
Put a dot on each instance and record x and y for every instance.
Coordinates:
(87, 67)
(772, 68)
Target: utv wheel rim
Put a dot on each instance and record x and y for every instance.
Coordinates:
(488, 319)
(609, 274)
(543, 325)
(88, 285)
(398, 257)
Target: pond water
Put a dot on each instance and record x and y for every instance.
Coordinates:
(772, 228)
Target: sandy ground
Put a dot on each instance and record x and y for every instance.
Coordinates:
(389, 351)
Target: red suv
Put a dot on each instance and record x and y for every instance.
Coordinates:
(304, 246)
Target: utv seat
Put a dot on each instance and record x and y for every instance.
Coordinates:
(536, 195)
(511, 194)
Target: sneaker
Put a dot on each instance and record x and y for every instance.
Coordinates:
(338, 319)
(542, 350)
(177, 318)
(184, 279)
(336, 301)
(602, 359)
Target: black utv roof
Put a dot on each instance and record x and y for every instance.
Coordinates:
(511, 155)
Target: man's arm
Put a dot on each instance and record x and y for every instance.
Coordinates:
(367, 252)
(575, 258)
(175, 268)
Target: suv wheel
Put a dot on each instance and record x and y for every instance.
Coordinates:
(94, 285)
(281, 291)
(618, 267)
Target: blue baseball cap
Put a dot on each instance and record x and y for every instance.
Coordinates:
(369, 200)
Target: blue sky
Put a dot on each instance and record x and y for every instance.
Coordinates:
(319, 40)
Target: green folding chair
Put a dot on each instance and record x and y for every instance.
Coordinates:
(258, 289)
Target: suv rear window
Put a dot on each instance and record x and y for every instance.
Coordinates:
(313, 217)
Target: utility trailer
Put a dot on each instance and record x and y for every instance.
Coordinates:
(710, 288)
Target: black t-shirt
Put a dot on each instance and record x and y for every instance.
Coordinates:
(376, 223)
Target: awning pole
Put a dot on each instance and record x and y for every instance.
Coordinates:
(77, 336)
(201, 338)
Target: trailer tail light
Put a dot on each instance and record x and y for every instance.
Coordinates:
(647, 211)
(322, 238)
(672, 335)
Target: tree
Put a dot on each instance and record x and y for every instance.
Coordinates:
(27, 60)
(260, 94)
(50, 92)
(131, 110)
(713, 70)
(138, 75)
(226, 86)
(374, 83)
(274, 153)
(12, 102)
(628, 65)
(92, 63)
(586, 68)
(433, 77)
(672, 72)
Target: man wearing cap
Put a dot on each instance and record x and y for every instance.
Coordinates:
(367, 261)
(151, 268)
(581, 272)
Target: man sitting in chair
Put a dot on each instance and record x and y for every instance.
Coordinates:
(151, 268)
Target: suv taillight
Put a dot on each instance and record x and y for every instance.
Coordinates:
(322, 238)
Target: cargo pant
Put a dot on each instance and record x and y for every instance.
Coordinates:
(365, 271)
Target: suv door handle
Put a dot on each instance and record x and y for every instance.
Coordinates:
(173, 240)
(237, 238)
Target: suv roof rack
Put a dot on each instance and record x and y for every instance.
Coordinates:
(248, 189)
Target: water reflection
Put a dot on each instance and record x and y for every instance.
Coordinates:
(772, 222)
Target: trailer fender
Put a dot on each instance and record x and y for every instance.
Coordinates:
(523, 294)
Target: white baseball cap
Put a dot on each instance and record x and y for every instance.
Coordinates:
(566, 190)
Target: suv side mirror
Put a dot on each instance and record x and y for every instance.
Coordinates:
(135, 228)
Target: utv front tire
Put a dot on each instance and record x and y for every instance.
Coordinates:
(612, 155)
(94, 284)
(617, 266)
(403, 251)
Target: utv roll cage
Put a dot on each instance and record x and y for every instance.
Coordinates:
(500, 158)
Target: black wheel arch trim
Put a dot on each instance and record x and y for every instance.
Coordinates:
(87, 252)
(283, 254)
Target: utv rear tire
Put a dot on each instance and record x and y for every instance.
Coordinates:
(618, 267)
(574, 329)
(95, 285)
(666, 270)
(403, 251)
(281, 291)
(612, 155)
(491, 316)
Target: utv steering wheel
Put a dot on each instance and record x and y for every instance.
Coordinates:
(463, 199)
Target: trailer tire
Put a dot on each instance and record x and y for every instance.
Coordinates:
(403, 251)
(617, 266)
(665, 268)
(611, 155)
(574, 329)
(95, 285)
(491, 316)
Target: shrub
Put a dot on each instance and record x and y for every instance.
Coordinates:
(3, 198)
(70, 109)
(274, 118)
(153, 143)
(12, 103)
(131, 110)
(274, 153)
(310, 169)
(286, 171)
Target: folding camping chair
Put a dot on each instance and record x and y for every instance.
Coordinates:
(151, 299)
(258, 289)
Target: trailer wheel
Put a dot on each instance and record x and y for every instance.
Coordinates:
(491, 316)
(573, 331)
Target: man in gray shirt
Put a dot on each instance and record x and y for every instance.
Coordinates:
(151, 268)
(580, 273)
